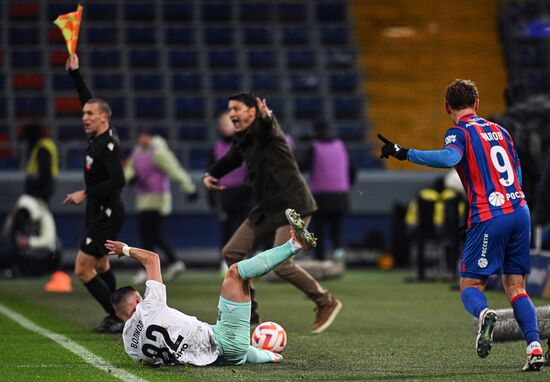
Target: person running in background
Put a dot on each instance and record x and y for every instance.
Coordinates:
(104, 180)
(152, 165)
(499, 224)
(150, 322)
(332, 173)
(278, 184)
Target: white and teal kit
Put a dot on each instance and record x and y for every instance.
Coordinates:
(157, 333)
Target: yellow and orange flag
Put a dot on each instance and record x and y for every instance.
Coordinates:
(69, 23)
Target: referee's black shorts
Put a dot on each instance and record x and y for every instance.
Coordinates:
(102, 223)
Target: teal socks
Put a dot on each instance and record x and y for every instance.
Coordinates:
(266, 261)
(255, 355)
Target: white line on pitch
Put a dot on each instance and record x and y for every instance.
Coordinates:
(72, 346)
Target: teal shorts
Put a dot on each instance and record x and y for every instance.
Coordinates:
(232, 331)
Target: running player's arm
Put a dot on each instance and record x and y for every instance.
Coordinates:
(447, 157)
(73, 67)
(149, 260)
(223, 166)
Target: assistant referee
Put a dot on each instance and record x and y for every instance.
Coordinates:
(104, 179)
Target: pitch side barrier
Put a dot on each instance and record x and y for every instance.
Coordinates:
(374, 193)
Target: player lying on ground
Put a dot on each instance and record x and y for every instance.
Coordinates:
(499, 225)
(159, 335)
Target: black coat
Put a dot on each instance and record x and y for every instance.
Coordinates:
(272, 171)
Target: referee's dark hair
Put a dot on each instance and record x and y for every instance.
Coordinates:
(102, 104)
(248, 98)
(118, 298)
(461, 94)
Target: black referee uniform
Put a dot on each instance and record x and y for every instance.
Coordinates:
(104, 179)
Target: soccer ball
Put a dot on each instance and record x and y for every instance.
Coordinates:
(269, 336)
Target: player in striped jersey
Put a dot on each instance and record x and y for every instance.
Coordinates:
(499, 225)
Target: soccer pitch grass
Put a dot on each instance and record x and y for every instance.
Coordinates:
(388, 330)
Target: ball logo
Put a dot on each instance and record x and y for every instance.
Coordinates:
(482, 263)
(450, 139)
(496, 199)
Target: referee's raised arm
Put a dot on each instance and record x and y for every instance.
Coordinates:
(73, 67)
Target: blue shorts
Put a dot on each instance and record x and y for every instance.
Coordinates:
(498, 246)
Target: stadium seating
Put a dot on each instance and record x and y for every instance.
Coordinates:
(149, 107)
(257, 35)
(261, 59)
(184, 59)
(26, 59)
(525, 32)
(179, 35)
(257, 12)
(105, 81)
(102, 36)
(94, 11)
(173, 64)
(190, 107)
(28, 81)
(265, 82)
(187, 82)
(147, 81)
(177, 12)
(304, 82)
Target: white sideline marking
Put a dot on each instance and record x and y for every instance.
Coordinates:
(72, 346)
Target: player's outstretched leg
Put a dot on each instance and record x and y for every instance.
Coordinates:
(484, 340)
(266, 261)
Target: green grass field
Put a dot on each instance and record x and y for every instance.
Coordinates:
(388, 329)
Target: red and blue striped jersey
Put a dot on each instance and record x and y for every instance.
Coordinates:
(489, 168)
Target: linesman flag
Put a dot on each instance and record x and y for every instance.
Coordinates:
(69, 23)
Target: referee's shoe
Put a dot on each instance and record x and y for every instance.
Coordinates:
(110, 324)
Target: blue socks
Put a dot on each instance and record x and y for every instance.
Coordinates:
(266, 261)
(526, 316)
(524, 311)
(474, 301)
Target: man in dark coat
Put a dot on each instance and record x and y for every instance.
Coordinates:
(277, 184)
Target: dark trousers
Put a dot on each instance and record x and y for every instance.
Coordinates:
(333, 221)
(150, 232)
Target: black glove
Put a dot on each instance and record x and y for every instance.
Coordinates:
(392, 149)
(192, 197)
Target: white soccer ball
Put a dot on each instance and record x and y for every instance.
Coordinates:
(269, 336)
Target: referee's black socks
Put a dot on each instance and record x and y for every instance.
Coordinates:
(101, 292)
(109, 278)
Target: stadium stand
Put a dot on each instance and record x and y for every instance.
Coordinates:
(171, 65)
(525, 30)
(410, 53)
